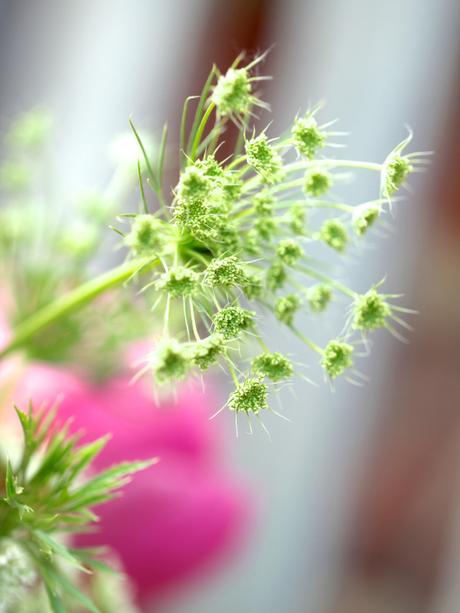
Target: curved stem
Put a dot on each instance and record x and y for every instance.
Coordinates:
(200, 130)
(72, 301)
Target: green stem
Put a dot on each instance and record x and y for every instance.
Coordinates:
(72, 301)
(199, 132)
(314, 274)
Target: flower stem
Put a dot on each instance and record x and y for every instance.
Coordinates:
(72, 301)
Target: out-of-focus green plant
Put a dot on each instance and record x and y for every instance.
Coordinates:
(45, 496)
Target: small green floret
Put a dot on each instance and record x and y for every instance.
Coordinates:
(226, 272)
(308, 138)
(289, 251)
(232, 320)
(337, 358)
(275, 366)
(207, 352)
(319, 297)
(370, 311)
(266, 228)
(276, 276)
(334, 234)
(317, 182)
(178, 281)
(265, 160)
(147, 236)
(253, 286)
(286, 307)
(232, 94)
(396, 171)
(172, 362)
(297, 218)
(364, 217)
(249, 397)
(263, 203)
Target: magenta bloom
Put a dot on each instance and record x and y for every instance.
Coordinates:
(174, 518)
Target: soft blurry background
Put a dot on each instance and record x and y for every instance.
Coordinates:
(358, 498)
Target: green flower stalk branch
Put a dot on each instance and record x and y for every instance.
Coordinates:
(231, 244)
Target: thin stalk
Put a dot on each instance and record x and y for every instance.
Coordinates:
(72, 301)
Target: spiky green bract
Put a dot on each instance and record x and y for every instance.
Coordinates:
(319, 297)
(308, 138)
(317, 182)
(286, 307)
(289, 251)
(334, 234)
(232, 320)
(46, 495)
(370, 311)
(275, 366)
(179, 281)
(337, 358)
(226, 272)
(265, 160)
(207, 352)
(364, 217)
(249, 397)
(148, 236)
(171, 362)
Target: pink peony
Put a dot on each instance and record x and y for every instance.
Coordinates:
(174, 518)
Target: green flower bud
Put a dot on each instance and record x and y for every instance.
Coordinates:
(232, 320)
(275, 366)
(276, 276)
(308, 138)
(265, 227)
(319, 297)
(334, 234)
(225, 272)
(253, 286)
(370, 311)
(232, 94)
(317, 182)
(289, 251)
(395, 173)
(286, 307)
(178, 281)
(265, 160)
(249, 397)
(364, 217)
(297, 217)
(147, 236)
(337, 358)
(171, 362)
(207, 352)
(263, 204)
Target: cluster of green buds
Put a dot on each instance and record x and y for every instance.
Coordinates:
(232, 243)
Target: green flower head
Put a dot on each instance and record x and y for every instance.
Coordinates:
(232, 94)
(178, 281)
(264, 159)
(337, 358)
(364, 217)
(171, 362)
(249, 397)
(289, 251)
(148, 235)
(317, 182)
(275, 366)
(207, 352)
(232, 320)
(276, 276)
(319, 297)
(286, 307)
(226, 272)
(334, 234)
(308, 138)
(370, 311)
(297, 218)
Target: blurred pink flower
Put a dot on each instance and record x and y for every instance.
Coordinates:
(175, 518)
